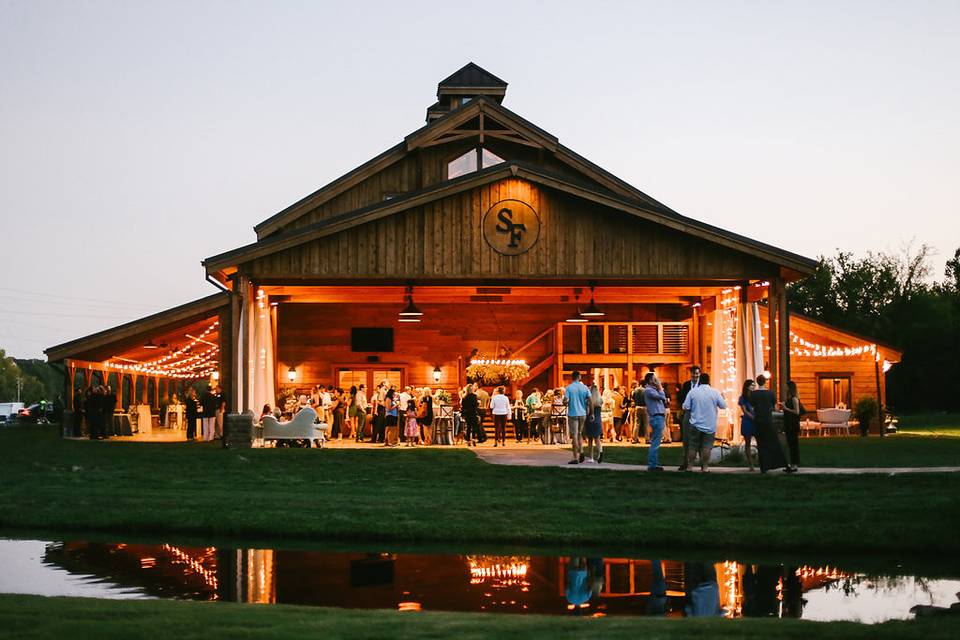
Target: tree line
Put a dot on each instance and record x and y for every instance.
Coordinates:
(895, 299)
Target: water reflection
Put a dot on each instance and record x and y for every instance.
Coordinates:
(578, 585)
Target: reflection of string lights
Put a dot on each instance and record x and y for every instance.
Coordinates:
(182, 557)
(734, 600)
(500, 571)
(821, 573)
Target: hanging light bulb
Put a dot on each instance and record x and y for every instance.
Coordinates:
(592, 310)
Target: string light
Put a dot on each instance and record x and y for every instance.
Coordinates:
(195, 364)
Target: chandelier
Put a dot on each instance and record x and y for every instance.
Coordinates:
(499, 371)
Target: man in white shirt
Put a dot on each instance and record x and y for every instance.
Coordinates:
(702, 403)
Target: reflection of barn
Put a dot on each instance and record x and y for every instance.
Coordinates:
(506, 584)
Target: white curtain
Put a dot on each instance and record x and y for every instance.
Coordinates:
(261, 356)
(749, 344)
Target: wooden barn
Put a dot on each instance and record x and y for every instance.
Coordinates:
(480, 235)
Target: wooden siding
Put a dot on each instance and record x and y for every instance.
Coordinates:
(443, 239)
(805, 370)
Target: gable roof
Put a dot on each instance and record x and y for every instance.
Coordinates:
(423, 136)
(665, 217)
(471, 75)
(182, 314)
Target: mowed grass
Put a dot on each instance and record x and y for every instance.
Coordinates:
(444, 496)
(930, 424)
(37, 618)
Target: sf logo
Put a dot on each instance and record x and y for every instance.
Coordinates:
(506, 225)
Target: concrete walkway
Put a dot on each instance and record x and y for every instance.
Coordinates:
(554, 457)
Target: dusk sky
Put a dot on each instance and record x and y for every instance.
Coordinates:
(137, 138)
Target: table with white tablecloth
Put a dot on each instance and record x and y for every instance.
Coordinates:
(173, 418)
(144, 419)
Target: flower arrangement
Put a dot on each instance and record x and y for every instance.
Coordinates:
(442, 396)
(497, 371)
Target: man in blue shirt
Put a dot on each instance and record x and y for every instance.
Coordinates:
(576, 397)
(702, 403)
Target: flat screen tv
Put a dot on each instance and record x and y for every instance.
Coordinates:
(371, 339)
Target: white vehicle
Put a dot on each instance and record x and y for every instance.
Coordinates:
(8, 409)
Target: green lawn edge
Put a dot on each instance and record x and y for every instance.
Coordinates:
(40, 618)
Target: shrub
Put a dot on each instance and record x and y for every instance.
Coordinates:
(865, 410)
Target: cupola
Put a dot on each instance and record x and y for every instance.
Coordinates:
(464, 85)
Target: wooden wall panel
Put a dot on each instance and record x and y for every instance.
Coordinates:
(577, 239)
(805, 369)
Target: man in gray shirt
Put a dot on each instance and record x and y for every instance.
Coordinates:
(702, 402)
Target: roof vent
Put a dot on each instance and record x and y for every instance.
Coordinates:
(464, 85)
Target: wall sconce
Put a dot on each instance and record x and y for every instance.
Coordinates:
(436, 374)
(215, 375)
(292, 374)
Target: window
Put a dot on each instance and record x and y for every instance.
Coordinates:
(833, 390)
(471, 161)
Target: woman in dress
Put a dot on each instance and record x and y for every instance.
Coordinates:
(331, 411)
(768, 441)
(592, 428)
(791, 423)
(425, 416)
(390, 419)
(352, 411)
(747, 429)
(411, 430)
(519, 410)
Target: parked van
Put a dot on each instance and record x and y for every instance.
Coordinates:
(8, 410)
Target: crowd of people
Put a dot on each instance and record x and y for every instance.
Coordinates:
(97, 405)
(395, 416)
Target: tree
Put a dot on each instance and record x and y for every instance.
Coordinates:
(890, 297)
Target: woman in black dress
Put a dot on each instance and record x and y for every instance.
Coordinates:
(791, 423)
(768, 444)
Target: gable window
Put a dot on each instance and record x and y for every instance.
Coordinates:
(473, 160)
(833, 391)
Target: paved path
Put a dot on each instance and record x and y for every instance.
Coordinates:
(553, 457)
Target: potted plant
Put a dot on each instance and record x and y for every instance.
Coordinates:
(866, 411)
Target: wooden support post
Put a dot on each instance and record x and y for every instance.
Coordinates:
(225, 366)
(774, 352)
(236, 348)
(243, 352)
(783, 338)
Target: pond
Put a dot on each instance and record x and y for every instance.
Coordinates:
(585, 585)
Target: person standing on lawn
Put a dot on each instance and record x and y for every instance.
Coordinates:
(593, 426)
(792, 409)
(702, 402)
(747, 429)
(655, 401)
(209, 403)
(768, 443)
(692, 383)
(576, 397)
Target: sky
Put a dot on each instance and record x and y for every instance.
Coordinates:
(137, 138)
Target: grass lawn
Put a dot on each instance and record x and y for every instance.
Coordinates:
(445, 496)
(930, 424)
(30, 617)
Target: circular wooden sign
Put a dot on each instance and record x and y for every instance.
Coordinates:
(511, 227)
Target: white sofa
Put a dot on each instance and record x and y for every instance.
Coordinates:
(838, 419)
(302, 427)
